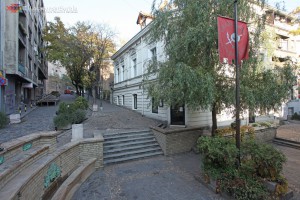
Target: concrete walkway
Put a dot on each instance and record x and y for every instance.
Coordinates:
(34, 120)
(157, 178)
(291, 131)
(111, 118)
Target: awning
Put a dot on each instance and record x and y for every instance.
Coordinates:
(27, 85)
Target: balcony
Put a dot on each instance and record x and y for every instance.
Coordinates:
(282, 53)
(35, 79)
(21, 68)
(22, 38)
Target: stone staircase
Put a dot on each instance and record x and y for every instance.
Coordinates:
(287, 143)
(33, 167)
(132, 145)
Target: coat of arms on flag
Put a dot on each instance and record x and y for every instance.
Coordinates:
(226, 40)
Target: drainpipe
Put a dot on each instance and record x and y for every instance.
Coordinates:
(143, 87)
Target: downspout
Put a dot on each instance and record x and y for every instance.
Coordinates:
(143, 86)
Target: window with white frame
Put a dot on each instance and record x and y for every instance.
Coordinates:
(118, 75)
(123, 73)
(134, 101)
(153, 54)
(134, 69)
(123, 100)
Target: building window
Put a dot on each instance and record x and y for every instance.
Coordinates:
(117, 100)
(134, 67)
(123, 100)
(123, 73)
(118, 75)
(135, 101)
(154, 107)
(153, 54)
(283, 43)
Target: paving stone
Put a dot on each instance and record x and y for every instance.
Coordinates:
(164, 181)
(33, 121)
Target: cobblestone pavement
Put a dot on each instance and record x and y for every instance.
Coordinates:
(39, 119)
(158, 178)
(111, 118)
(291, 169)
(291, 131)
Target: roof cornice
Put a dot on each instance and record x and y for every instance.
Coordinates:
(131, 41)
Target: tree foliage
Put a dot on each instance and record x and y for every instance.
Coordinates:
(78, 47)
(297, 12)
(192, 74)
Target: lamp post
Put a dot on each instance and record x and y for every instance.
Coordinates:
(237, 80)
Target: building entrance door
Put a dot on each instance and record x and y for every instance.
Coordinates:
(177, 115)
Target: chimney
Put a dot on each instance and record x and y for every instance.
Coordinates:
(144, 19)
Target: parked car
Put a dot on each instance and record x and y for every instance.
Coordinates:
(67, 91)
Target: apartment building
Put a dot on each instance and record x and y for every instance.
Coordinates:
(2, 74)
(288, 45)
(131, 60)
(24, 62)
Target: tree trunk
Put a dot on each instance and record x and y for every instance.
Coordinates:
(214, 120)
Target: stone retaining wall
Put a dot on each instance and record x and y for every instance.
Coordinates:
(266, 134)
(65, 160)
(173, 141)
(14, 147)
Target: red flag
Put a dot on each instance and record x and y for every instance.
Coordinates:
(226, 40)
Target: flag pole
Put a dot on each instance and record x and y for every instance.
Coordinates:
(237, 80)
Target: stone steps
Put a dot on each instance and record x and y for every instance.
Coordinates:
(287, 143)
(125, 136)
(126, 146)
(134, 157)
(131, 148)
(128, 140)
(121, 133)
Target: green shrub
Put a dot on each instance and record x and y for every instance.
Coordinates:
(255, 125)
(78, 116)
(265, 124)
(295, 116)
(73, 113)
(3, 120)
(239, 186)
(259, 162)
(219, 154)
(62, 120)
(81, 103)
(266, 160)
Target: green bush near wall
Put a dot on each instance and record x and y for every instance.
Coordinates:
(259, 163)
(3, 120)
(73, 113)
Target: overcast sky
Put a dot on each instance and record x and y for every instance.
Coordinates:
(121, 15)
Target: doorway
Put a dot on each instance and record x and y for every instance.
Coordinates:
(177, 115)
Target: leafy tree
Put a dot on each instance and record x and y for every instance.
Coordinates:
(78, 48)
(297, 12)
(192, 74)
(66, 49)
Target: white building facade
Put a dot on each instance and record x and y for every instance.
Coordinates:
(131, 60)
(130, 64)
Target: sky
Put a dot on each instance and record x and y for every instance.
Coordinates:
(120, 15)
